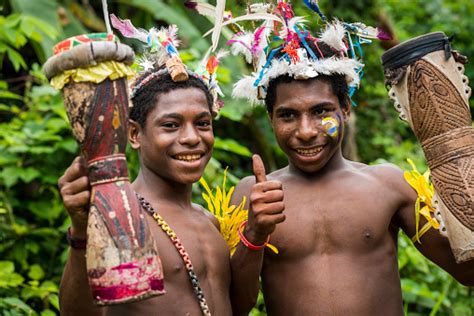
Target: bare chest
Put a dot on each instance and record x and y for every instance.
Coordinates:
(333, 220)
(197, 244)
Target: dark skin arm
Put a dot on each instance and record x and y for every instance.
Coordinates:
(266, 207)
(433, 245)
(75, 297)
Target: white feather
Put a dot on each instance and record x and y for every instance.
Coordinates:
(222, 53)
(284, 27)
(166, 32)
(294, 21)
(141, 34)
(264, 36)
(344, 66)
(261, 59)
(365, 31)
(205, 9)
(205, 58)
(260, 8)
(242, 45)
(161, 57)
(304, 69)
(173, 34)
(244, 89)
(219, 19)
(218, 90)
(277, 68)
(291, 25)
(248, 17)
(333, 36)
(145, 63)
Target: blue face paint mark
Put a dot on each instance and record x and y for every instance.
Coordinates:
(340, 126)
(331, 125)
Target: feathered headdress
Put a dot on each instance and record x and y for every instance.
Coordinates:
(297, 53)
(161, 57)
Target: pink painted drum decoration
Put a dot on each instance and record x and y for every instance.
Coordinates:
(123, 263)
(432, 93)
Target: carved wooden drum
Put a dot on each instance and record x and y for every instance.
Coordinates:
(431, 92)
(123, 264)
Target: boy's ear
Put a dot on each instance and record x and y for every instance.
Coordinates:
(346, 110)
(134, 134)
(346, 113)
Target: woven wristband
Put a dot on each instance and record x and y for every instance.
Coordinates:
(74, 242)
(247, 243)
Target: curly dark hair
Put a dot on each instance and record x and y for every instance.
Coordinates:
(338, 82)
(145, 99)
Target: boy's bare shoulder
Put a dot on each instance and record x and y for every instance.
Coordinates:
(208, 215)
(279, 174)
(245, 184)
(383, 171)
(389, 175)
(242, 189)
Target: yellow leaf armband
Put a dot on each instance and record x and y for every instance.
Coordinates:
(423, 206)
(230, 217)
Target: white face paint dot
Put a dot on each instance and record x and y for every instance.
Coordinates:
(101, 118)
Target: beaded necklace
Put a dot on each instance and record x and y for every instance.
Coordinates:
(184, 254)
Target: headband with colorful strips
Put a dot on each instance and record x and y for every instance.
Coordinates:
(161, 57)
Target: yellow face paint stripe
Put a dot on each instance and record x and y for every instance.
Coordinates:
(331, 125)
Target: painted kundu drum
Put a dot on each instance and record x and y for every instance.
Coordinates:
(431, 92)
(123, 264)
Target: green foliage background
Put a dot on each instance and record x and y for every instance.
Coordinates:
(36, 144)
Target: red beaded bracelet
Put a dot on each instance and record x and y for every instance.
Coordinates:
(247, 243)
(75, 243)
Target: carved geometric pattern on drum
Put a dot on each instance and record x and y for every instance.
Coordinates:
(78, 100)
(454, 183)
(457, 144)
(435, 104)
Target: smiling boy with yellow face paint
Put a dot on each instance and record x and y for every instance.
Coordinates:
(334, 221)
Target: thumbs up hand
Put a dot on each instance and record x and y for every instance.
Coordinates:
(266, 205)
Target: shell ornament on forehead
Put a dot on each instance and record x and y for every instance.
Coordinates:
(282, 45)
(161, 57)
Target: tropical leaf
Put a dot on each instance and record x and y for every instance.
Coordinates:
(232, 146)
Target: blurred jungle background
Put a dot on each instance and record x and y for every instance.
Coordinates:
(36, 143)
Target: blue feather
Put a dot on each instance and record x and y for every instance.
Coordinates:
(171, 50)
(313, 5)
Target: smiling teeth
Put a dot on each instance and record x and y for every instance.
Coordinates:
(188, 157)
(310, 151)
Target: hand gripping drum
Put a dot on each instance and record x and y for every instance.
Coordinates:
(123, 264)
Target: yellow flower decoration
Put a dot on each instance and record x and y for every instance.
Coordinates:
(423, 186)
(229, 216)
